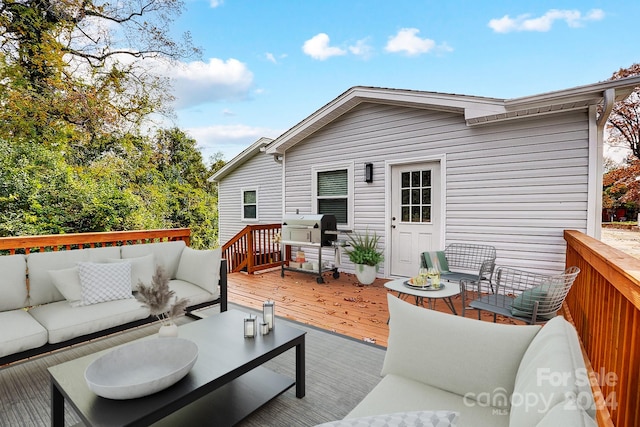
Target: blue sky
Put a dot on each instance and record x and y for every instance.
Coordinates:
(268, 64)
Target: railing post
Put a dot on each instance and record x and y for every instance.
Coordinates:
(251, 251)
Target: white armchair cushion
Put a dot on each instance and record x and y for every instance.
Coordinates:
(201, 267)
(67, 281)
(104, 282)
(443, 350)
(400, 419)
(566, 413)
(553, 369)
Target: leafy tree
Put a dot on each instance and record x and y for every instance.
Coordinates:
(624, 121)
(621, 187)
(73, 70)
(76, 88)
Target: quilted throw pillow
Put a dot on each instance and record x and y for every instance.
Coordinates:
(104, 282)
(401, 419)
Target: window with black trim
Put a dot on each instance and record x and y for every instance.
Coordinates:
(332, 194)
(250, 204)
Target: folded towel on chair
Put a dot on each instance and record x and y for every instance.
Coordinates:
(437, 260)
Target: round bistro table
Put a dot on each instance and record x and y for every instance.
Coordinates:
(446, 291)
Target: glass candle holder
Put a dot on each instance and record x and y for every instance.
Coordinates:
(264, 328)
(268, 313)
(249, 326)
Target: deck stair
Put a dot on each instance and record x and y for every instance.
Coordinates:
(256, 247)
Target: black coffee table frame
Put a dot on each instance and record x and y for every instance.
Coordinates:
(226, 384)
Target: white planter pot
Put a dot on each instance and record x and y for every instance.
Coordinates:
(366, 274)
(168, 330)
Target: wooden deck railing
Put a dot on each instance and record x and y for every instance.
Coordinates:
(604, 305)
(55, 242)
(253, 249)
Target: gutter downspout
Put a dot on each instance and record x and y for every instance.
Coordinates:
(594, 221)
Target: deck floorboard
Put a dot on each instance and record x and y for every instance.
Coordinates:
(339, 305)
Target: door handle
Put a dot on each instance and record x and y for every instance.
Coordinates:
(393, 226)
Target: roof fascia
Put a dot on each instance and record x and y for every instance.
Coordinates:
(359, 94)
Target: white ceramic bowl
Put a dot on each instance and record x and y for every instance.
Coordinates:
(141, 368)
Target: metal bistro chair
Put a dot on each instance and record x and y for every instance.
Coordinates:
(463, 262)
(530, 297)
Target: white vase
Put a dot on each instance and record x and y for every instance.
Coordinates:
(366, 274)
(170, 330)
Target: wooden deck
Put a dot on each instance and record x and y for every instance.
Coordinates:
(339, 305)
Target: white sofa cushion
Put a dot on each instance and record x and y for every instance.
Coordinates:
(396, 393)
(400, 419)
(65, 322)
(13, 282)
(195, 294)
(166, 254)
(550, 368)
(104, 282)
(67, 281)
(426, 345)
(142, 269)
(41, 287)
(102, 254)
(19, 331)
(201, 267)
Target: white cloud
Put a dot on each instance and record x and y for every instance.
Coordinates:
(215, 3)
(199, 82)
(318, 47)
(407, 41)
(228, 139)
(361, 48)
(270, 57)
(525, 22)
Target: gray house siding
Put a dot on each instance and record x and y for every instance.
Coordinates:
(512, 184)
(260, 172)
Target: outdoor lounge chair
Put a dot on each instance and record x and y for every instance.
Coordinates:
(463, 262)
(530, 297)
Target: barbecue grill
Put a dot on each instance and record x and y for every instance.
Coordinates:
(309, 230)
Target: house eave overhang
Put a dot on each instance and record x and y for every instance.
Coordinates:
(476, 110)
(238, 160)
(577, 98)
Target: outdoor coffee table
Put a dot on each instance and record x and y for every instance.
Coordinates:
(446, 291)
(226, 384)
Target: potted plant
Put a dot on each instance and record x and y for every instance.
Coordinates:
(158, 298)
(364, 253)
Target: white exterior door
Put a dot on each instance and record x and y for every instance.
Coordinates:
(415, 215)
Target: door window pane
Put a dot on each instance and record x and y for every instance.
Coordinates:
(415, 196)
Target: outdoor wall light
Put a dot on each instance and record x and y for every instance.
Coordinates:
(368, 172)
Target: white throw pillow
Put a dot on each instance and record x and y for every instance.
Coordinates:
(67, 281)
(401, 419)
(142, 269)
(104, 282)
(200, 267)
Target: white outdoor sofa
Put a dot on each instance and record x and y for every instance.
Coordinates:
(43, 308)
(451, 370)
